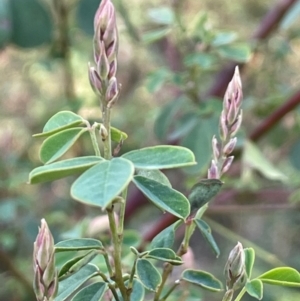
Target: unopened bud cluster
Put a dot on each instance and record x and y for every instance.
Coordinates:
(45, 276)
(103, 76)
(230, 122)
(235, 271)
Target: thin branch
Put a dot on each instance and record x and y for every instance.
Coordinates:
(275, 117)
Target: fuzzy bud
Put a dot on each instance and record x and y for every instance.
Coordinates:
(229, 147)
(235, 268)
(103, 63)
(226, 165)
(223, 127)
(45, 276)
(112, 90)
(236, 126)
(215, 148)
(95, 80)
(213, 172)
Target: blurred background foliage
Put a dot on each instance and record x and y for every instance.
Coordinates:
(175, 60)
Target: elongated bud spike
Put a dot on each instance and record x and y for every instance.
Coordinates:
(235, 268)
(226, 165)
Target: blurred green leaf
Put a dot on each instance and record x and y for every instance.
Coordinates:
(155, 35)
(255, 288)
(294, 154)
(249, 260)
(155, 175)
(164, 197)
(198, 140)
(5, 22)
(76, 263)
(254, 158)
(78, 244)
(59, 122)
(165, 239)
(164, 254)
(117, 135)
(236, 52)
(161, 15)
(157, 78)
(223, 38)
(291, 16)
(148, 274)
(102, 183)
(92, 292)
(62, 169)
(203, 279)
(161, 157)
(167, 115)
(202, 60)
(206, 232)
(138, 291)
(85, 13)
(31, 23)
(283, 276)
(58, 144)
(202, 192)
(69, 285)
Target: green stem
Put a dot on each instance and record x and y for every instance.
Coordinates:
(106, 123)
(240, 295)
(94, 141)
(109, 269)
(117, 242)
(130, 282)
(122, 211)
(170, 291)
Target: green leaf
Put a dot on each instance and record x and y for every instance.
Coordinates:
(117, 135)
(137, 293)
(148, 274)
(202, 192)
(58, 144)
(203, 279)
(254, 158)
(166, 116)
(255, 288)
(161, 157)
(102, 183)
(164, 254)
(164, 197)
(283, 276)
(5, 22)
(198, 140)
(92, 292)
(206, 232)
(78, 244)
(236, 52)
(161, 15)
(155, 35)
(60, 121)
(294, 154)
(62, 169)
(68, 286)
(76, 263)
(249, 260)
(202, 60)
(165, 239)
(155, 175)
(223, 38)
(31, 22)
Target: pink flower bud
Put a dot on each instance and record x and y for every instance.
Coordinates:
(103, 64)
(213, 172)
(229, 147)
(112, 90)
(226, 165)
(95, 81)
(223, 127)
(235, 127)
(215, 148)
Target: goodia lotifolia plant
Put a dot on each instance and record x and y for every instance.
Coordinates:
(103, 184)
